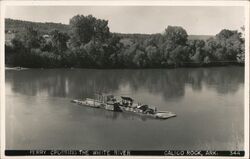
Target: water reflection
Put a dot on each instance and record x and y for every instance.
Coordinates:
(78, 83)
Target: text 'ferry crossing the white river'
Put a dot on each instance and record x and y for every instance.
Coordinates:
(123, 104)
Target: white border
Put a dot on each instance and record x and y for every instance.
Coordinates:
(246, 111)
(3, 5)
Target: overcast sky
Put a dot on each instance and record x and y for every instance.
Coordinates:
(127, 19)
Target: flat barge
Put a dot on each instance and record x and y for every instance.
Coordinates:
(126, 104)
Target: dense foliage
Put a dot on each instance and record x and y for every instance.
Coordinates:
(88, 43)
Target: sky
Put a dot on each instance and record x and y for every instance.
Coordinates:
(199, 20)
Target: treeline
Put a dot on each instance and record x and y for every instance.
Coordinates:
(89, 44)
(19, 26)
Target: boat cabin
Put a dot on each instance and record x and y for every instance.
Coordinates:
(127, 101)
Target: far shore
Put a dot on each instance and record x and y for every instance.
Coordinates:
(19, 68)
(16, 68)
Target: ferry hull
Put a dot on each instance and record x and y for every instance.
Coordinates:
(96, 104)
(158, 115)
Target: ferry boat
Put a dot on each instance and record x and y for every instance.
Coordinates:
(126, 104)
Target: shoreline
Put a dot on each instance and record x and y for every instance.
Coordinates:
(131, 68)
(16, 68)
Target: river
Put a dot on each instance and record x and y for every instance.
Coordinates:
(209, 103)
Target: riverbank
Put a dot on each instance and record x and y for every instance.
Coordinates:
(16, 68)
(185, 65)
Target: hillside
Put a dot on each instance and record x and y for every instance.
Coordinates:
(45, 28)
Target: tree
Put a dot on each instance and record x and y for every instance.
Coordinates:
(82, 28)
(59, 41)
(225, 34)
(153, 56)
(197, 52)
(139, 58)
(86, 28)
(175, 35)
(101, 30)
(179, 55)
(113, 50)
(174, 46)
(229, 44)
(30, 38)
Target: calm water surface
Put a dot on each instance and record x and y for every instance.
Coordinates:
(209, 103)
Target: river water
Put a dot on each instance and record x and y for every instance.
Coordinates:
(209, 103)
